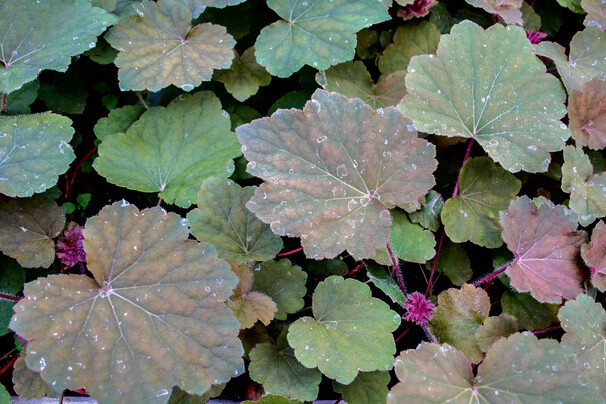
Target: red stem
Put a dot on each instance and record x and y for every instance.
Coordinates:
(356, 269)
(3, 103)
(9, 297)
(403, 334)
(493, 274)
(397, 270)
(70, 183)
(554, 327)
(456, 190)
(430, 336)
(296, 250)
(8, 365)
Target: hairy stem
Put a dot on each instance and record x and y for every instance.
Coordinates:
(9, 297)
(296, 250)
(397, 270)
(493, 274)
(430, 336)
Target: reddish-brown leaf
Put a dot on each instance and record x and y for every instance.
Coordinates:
(587, 114)
(594, 255)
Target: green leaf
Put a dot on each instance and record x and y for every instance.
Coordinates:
(429, 214)
(546, 245)
(29, 384)
(34, 150)
(284, 283)
(531, 20)
(45, 35)
(379, 276)
(574, 5)
(248, 307)
(277, 369)
(223, 221)
(118, 120)
(454, 263)
(587, 191)
(318, 33)
(322, 269)
(587, 57)
(156, 302)
(530, 314)
(253, 336)
(27, 229)
(244, 77)
(473, 215)
(326, 168)
(171, 150)
(367, 388)
(198, 6)
(179, 396)
(494, 328)
(292, 99)
(351, 79)
(65, 93)
(349, 333)
(519, 369)
(489, 86)
(5, 397)
(459, 314)
(12, 278)
(585, 324)
(508, 10)
(272, 399)
(596, 13)
(103, 53)
(441, 17)
(18, 102)
(367, 41)
(409, 241)
(594, 256)
(587, 114)
(408, 41)
(159, 47)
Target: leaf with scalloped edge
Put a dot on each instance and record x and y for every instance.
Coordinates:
(159, 47)
(381, 279)
(351, 79)
(5, 397)
(488, 85)
(587, 57)
(223, 221)
(459, 314)
(28, 384)
(198, 6)
(284, 283)
(34, 150)
(587, 114)
(584, 321)
(172, 150)
(546, 245)
(508, 10)
(12, 278)
(531, 20)
(277, 369)
(429, 214)
(18, 102)
(573, 5)
(273, 399)
(494, 328)
(587, 190)
(318, 33)
(454, 263)
(596, 13)
(45, 35)
(409, 40)
(333, 169)
(367, 388)
(152, 287)
(27, 229)
(594, 256)
(519, 369)
(118, 120)
(248, 307)
(179, 396)
(347, 320)
(244, 77)
(529, 313)
(484, 190)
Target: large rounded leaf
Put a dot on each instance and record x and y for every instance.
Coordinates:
(473, 214)
(350, 331)
(38, 35)
(34, 150)
(546, 247)
(596, 13)
(153, 316)
(333, 169)
(520, 369)
(318, 33)
(488, 85)
(159, 47)
(223, 221)
(171, 150)
(27, 229)
(587, 114)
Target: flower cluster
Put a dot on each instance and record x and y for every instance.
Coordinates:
(418, 309)
(70, 249)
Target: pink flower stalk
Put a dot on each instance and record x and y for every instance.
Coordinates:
(535, 37)
(420, 8)
(418, 308)
(69, 247)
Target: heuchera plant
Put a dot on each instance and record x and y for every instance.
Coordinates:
(279, 201)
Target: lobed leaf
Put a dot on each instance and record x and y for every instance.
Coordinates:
(171, 150)
(159, 47)
(587, 114)
(12, 278)
(429, 214)
(484, 190)
(495, 328)
(454, 263)
(381, 279)
(223, 221)
(318, 33)
(34, 150)
(198, 6)
(508, 10)
(529, 313)
(367, 388)
(332, 172)
(489, 86)
(244, 77)
(594, 255)
(118, 120)
(18, 102)
(596, 13)
(27, 229)
(154, 311)
(346, 319)
(546, 244)
(28, 384)
(45, 35)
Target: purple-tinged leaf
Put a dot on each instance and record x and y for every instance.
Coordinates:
(546, 244)
(508, 10)
(494, 328)
(587, 114)
(416, 9)
(596, 13)
(594, 255)
(70, 247)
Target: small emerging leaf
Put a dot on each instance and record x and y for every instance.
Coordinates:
(429, 214)
(244, 77)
